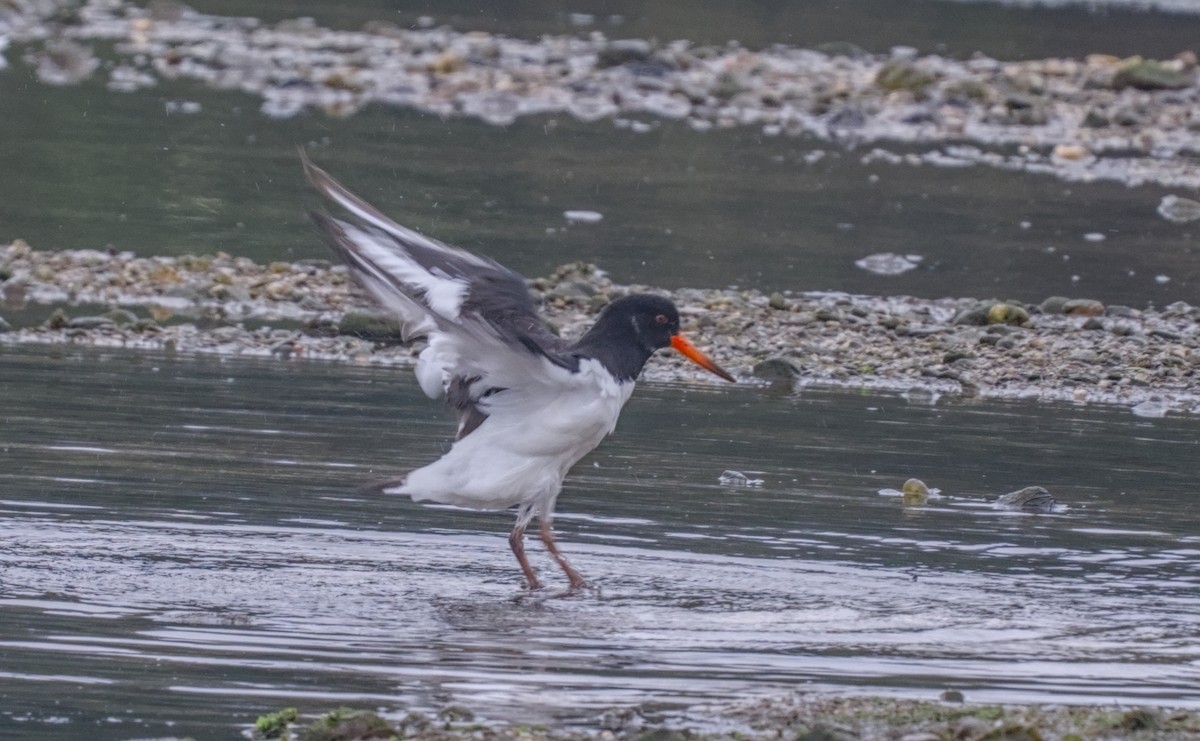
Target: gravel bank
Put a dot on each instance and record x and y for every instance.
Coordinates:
(1131, 120)
(1062, 349)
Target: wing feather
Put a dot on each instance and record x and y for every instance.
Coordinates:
(486, 338)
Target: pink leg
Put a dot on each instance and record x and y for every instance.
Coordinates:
(516, 540)
(576, 579)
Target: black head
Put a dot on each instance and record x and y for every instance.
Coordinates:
(629, 331)
(653, 320)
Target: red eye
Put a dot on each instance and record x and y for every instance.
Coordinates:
(661, 319)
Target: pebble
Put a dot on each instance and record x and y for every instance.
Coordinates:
(1082, 307)
(1178, 210)
(919, 349)
(776, 369)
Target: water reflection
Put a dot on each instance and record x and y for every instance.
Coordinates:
(182, 545)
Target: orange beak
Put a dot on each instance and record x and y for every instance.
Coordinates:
(689, 351)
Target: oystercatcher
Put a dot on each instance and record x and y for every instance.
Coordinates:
(530, 404)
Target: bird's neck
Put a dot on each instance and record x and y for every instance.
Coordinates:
(611, 346)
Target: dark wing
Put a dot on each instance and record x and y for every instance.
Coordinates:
(485, 335)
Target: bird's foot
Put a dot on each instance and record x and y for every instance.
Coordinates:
(544, 592)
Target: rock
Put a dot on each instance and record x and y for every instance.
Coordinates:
(951, 696)
(914, 492)
(1095, 120)
(900, 74)
(1007, 314)
(1129, 117)
(65, 62)
(1054, 305)
(4, 326)
(973, 316)
(347, 724)
(279, 290)
(777, 369)
(1178, 210)
(121, 317)
(1070, 152)
(446, 63)
(968, 89)
(573, 290)
(1151, 409)
(1029, 499)
(1083, 307)
(456, 714)
(1092, 323)
(1012, 732)
(275, 725)
(777, 302)
(57, 320)
(1147, 74)
(1139, 719)
(623, 51)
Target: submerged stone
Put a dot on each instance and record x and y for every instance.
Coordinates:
(1178, 210)
(914, 492)
(1029, 499)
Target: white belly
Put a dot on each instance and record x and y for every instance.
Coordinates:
(523, 450)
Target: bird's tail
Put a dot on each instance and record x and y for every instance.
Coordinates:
(386, 486)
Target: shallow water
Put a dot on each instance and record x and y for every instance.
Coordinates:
(182, 547)
(680, 208)
(1004, 29)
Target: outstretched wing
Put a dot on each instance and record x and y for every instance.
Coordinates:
(485, 335)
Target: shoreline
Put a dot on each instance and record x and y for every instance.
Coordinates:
(798, 715)
(1101, 117)
(1061, 350)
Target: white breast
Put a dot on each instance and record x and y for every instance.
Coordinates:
(531, 438)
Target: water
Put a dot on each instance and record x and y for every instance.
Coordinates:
(680, 208)
(1004, 29)
(182, 548)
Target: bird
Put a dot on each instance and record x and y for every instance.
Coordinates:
(530, 404)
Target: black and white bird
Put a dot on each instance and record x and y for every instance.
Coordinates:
(530, 404)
